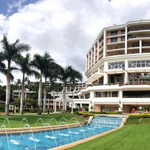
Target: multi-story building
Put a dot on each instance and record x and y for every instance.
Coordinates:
(118, 68)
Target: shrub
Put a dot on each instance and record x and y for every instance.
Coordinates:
(2, 107)
(138, 116)
(85, 114)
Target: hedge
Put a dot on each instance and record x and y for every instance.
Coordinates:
(138, 116)
(85, 114)
(107, 112)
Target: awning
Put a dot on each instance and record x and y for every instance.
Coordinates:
(94, 77)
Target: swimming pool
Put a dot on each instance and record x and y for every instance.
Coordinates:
(49, 139)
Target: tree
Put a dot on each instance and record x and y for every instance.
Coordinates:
(66, 75)
(10, 52)
(25, 67)
(47, 71)
(40, 62)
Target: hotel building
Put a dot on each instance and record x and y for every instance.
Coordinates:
(118, 68)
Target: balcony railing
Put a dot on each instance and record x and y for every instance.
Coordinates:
(137, 29)
(132, 37)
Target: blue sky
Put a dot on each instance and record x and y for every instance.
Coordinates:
(64, 28)
(9, 7)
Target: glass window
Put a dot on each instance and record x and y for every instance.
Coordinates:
(138, 64)
(113, 40)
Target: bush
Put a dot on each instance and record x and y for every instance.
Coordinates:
(2, 107)
(85, 114)
(33, 110)
(107, 112)
(138, 116)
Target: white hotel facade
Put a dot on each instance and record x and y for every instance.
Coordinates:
(118, 68)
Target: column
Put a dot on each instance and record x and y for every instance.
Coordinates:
(104, 44)
(92, 99)
(80, 105)
(91, 57)
(94, 53)
(97, 49)
(54, 107)
(126, 31)
(90, 106)
(120, 101)
(72, 108)
(65, 105)
(126, 76)
(140, 46)
(59, 105)
(86, 62)
(105, 78)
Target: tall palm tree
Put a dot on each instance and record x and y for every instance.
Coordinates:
(2, 65)
(25, 67)
(50, 68)
(10, 51)
(67, 74)
(40, 63)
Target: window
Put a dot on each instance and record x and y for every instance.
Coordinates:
(113, 33)
(122, 31)
(123, 38)
(139, 64)
(106, 94)
(117, 65)
(113, 40)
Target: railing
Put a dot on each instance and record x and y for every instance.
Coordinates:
(137, 29)
(131, 37)
(139, 82)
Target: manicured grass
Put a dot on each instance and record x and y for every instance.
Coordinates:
(16, 119)
(130, 137)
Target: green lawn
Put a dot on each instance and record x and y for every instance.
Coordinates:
(134, 136)
(16, 119)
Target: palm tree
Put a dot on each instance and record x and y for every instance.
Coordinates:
(25, 68)
(10, 51)
(2, 65)
(67, 74)
(40, 63)
(49, 70)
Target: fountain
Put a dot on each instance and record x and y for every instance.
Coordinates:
(3, 126)
(32, 135)
(50, 137)
(24, 119)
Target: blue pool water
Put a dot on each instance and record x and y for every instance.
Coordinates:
(50, 139)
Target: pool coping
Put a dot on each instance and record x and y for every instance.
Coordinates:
(35, 129)
(85, 140)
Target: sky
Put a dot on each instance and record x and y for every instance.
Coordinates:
(64, 28)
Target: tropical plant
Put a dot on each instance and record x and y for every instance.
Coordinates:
(40, 62)
(24, 64)
(68, 74)
(9, 53)
(49, 71)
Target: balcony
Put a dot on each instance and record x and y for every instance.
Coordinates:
(138, 37)
(139, 29)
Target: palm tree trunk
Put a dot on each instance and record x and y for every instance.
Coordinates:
(7, 91)
(64, 98)
(22, 96)
(44, 101)
(40, 96)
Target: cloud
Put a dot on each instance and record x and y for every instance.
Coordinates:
(66, 29)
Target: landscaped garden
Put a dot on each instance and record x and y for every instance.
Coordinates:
(16, 119)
